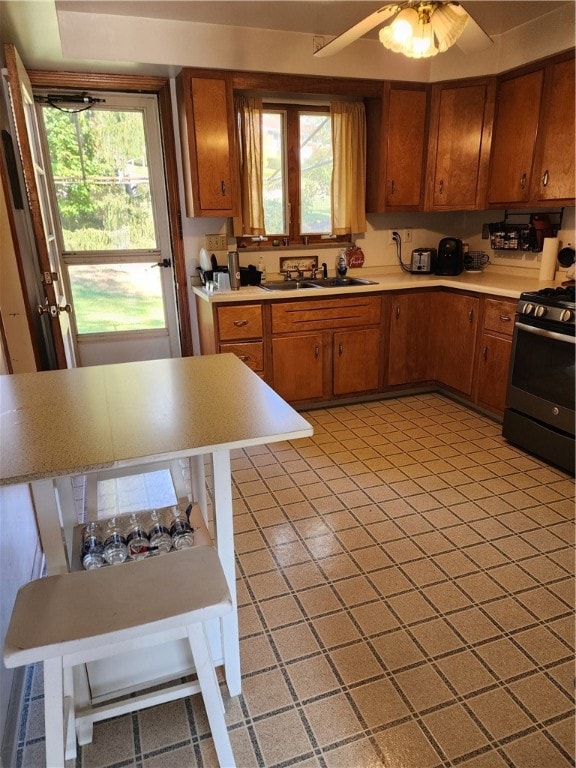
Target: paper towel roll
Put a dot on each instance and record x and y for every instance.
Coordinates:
(549, 259)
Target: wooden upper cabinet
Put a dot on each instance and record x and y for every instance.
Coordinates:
(397, 127)
(459, 147)
(514, 140)
(553, 176)
(208, 143)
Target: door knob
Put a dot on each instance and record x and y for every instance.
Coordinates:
(164, 263)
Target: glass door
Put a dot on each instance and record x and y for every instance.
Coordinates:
(106, 168)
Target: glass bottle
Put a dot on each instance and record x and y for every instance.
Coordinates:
(137, 539)
(92, 554)
(180, 530)
(115, 549)
(160, 539)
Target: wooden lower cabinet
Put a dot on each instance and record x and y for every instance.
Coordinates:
(356, 361)
(408, 357)
(454, 325)
(494, 354)
(493, 372)
(297, 363)
(320, 349)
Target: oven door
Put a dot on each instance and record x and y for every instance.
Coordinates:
(541, 383)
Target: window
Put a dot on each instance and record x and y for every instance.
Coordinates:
(297, 170)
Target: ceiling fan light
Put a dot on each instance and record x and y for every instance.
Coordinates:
(397, 35)
(422, 45)
(448, 21)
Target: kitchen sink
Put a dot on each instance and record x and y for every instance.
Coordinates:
(340, 282)
(287, 285)
(322, 282)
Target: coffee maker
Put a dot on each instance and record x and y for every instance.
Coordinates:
(450, 259)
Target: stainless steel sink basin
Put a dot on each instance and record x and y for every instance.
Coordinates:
(287, 285)
(340, 282)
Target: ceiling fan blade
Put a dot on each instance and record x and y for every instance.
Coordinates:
(358, 30)
(473, 38)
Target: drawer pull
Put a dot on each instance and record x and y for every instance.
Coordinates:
(471, 316)
(397, 313)
(392, 187)
(485, 353)
(223, 188)
(240, 323)
(340, 350)
(316, 351)
(545, 179)
(523, 181)
(244, 358)
(505, 318)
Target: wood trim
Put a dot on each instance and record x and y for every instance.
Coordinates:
(330, 86)
(94, 81)
(174, 219)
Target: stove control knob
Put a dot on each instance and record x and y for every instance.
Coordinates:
(540, 311)
(528, 309)
(566, 315)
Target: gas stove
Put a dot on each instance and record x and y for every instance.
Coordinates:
(556, 305)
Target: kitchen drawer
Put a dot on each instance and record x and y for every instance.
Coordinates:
(251, 353)
(499, 316)
(325, 314)
(243, 321)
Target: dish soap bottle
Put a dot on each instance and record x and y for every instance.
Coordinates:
(342, 267)
(262, 269)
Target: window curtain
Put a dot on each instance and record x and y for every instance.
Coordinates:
(249, 127)
(349, 169)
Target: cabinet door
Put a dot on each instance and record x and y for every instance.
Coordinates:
(397, 136)
(458, 154)
(454, 321)
(409, 338)
(518, 109)
(493, 371)
(209, 154)
(297, 366)
(356, 356)
(553, 177)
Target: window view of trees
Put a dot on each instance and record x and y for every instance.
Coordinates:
(305, 182)
(100, 172)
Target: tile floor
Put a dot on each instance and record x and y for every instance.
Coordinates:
(405, 584)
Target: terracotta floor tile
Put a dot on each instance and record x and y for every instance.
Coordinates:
(338, 628)
(379, 703)
(499, 713)
(406, 745)
(424, 687)
(436, 637)
(504, 658)
(355, 663)
(312, 677)
(465, 672)
(294, 641)
(397, 649)
(536, 750)
(455, 731)
(282, 737)
(541, 697)
(332, 719)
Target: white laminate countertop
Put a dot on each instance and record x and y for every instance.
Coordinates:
(493, 283)
(67, 422)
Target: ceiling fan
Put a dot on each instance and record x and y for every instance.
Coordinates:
(420, 28)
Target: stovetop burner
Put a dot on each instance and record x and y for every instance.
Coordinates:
(559, 296)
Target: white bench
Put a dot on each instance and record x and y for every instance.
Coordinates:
(69, 619)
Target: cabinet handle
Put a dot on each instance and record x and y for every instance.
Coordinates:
(223, 188)
(316, 351)
(244, 358)
(523, 181)
(340, 349)
(545, 178)
(397, 313)
(240, 323)
(485, 353)
(441, 186)
(392, 187)
(470, 315)
(505, 318)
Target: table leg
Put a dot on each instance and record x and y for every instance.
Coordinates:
(50, 526)
(224, 525)
(198, 484)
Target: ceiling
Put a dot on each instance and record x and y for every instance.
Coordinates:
(33, 25)
(322, 17)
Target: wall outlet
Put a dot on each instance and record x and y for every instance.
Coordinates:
(391, 240)
(407, 235)
(216, 242)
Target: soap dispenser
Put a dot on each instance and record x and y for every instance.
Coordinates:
(342, 267)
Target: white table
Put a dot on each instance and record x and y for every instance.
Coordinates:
(58, 424)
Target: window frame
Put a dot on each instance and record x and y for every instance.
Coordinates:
(292, 111)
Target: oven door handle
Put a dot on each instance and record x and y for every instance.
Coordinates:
(546, 334)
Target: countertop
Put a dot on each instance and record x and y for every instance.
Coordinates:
(67, 422)
(487, 282)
